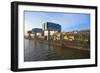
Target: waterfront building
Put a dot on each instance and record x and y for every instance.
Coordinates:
(38, 32)
(73, 36)
(49, 29)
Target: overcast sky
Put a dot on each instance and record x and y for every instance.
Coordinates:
(68, 21)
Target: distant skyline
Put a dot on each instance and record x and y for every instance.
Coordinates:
(68, 21)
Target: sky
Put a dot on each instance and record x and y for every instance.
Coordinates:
(68, 21)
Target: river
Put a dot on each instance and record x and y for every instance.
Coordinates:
(38, 51)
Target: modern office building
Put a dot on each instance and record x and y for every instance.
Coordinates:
(49, 29)
(38, 32)
(52, 26)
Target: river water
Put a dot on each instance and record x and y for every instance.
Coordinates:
(38, 51)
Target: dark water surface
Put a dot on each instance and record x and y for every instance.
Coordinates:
(38, 51)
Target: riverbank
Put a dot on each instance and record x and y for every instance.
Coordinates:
(63, 44)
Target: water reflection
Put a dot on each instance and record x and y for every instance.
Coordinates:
(38, 51)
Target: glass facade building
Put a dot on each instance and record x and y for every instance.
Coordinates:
(51, 26)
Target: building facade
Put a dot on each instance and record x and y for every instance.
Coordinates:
(49, 29)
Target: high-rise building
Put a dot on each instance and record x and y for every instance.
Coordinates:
(50, 28)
